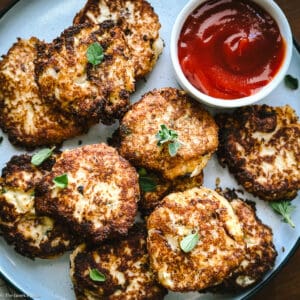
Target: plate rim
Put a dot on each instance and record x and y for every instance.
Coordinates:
(10, 282)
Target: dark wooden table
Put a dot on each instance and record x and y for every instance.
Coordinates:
(286, 284)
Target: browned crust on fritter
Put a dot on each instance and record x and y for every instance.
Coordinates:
(197, 132)
(261, 147)
(55, 242)
(18, 174)
(24, 115)
(260, 250)
(31, 235)
(127, 256)
(76, 86)
(150, 200)
(101, 198)
(139, 23)
(220, 248)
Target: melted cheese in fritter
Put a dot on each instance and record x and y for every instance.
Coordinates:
(22, 201)
(220, 248)
(27, 119)
(139, 23)
(260, 251)
(31, 235)
(35, 231)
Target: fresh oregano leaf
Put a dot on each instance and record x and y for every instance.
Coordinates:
(284, 208)
(146, 181)
(189, 242)
(95, 54)
(61, 181)
(96, 275)
(41, 156)
(291, 82)
(173, 148)
(170, 136)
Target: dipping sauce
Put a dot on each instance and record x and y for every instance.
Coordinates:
(230, 49)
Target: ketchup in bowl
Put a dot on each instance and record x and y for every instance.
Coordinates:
(230, 49)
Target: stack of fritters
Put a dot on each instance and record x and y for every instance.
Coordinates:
(234, 250)
(261, 147)
(52, 92)
(31, 235)
(98, 202)
(197, 135)
(24, 115)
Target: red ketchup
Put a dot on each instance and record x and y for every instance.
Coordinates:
(230, 49)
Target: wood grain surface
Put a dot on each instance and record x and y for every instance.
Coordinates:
(286, 284)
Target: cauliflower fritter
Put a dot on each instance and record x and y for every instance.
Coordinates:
(139, 23)
(31, 235)
(100, 199)
(260, 251)
(125, 264)
(70, 82)
(261, 147)
(24, 115)
(219, 250)
(196, 129)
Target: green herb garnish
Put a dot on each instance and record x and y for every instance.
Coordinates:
(146, 181)
(95, 54)
(284, 208)
(41, 156)
(61, 181)
(95, 275)
(170, 136)
(189, 242)
(291, 82)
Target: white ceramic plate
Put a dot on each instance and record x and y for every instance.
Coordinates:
(49, 279)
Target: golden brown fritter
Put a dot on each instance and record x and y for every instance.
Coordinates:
(260, 251)
(100, 200)
(31, 235)
(139, 23)
(196, 129)
(24, 116)
(125, 264)
(218, 252)
(151, 199)
(68, 81)
(261, 147)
